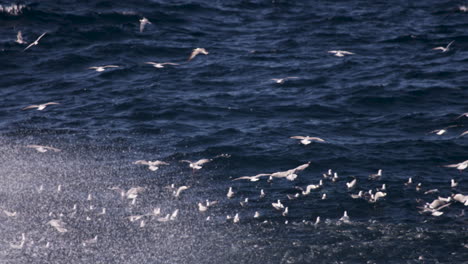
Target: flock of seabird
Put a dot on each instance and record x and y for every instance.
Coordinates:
(330, 178)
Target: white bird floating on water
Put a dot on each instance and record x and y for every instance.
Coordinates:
(345, 217)
(236, 219)
(453, 183)
(19, 38)
(180, 190)
(197, 51)
(444, 49)
(103, 68)
(143, 22)
(230, 193)
(43, 149)
(306, 140)
(152, 165)
(351, 184)
(21, 244)
(40, 107)
(90, 241)
(278, 205)
(282, 80)
(376, 176)
(359, 195)
(340, 53)
(257, 214)
(160, 65)
(36, 42)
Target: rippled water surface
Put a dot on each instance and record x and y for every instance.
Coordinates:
(375, 109)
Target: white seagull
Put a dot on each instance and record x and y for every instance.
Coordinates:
(43, 149)
(278, 205)
(460, 166)
(196, 165)
(345, 217)
(179, 190)
(230, 193)
(444, 49)
(152, 165)
(453, 183)
(19, 38)
(282, 80)
(36, 42)
(58, 224)
(40, 107)
(351, 184)
(307, 140)
(160, 65)
(442, 131)
(340, 53)
(197, 51)
(103, 68)
(310, 187)
(376, 176)
(464, 133)
(143, 22)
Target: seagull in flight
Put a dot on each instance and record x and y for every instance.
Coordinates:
(40, 107)
(43, 149)
(282, 80)
(340, 53)
(161, 65)
(462, 115)
(36, 42)
(102, 68)
(444, 49)
(19, 38)
(253, 178)
(197, 51)
(460, 166)
(307, 140)
(58, 224)
(143, 22)
(152, 165)
(196, 165)
(442, 131)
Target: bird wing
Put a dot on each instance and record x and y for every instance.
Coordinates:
(170, 63)
(150, 62)
(31, 106)
(30, 45)
(51, 103)
(347, 52)
(333, 51)
(452, 165)
(298, 137)
(52, 148)
(110, 66)
(193, 54)
(34, 146)
(316, 139)
(141, 162)
(187, 161)
(202, 161)
(464, 133)
(448, 46)
(43, 34)
(462, 115)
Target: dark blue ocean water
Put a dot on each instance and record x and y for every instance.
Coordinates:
(374, 108)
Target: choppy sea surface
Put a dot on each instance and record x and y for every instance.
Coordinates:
(375, 109)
